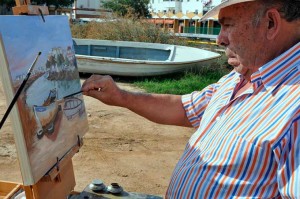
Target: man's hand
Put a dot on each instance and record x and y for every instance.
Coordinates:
(159, 108)
(104, 89)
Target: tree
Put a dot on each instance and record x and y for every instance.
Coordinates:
(8, 3)
(139, 8)
(56, 3)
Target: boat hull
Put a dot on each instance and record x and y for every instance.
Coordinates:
(107, 67)
(73, 106)
(173, 58)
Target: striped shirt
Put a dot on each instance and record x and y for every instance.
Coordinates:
(246, 147)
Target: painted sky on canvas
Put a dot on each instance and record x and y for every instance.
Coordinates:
(27, 47)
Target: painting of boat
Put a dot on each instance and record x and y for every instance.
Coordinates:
(45, 114)
(73, 106)
(127, 58)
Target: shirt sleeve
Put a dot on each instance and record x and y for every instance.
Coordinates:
(196, 102)
(288, 172)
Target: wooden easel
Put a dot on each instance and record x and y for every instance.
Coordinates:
(59, 182)
(24, 7)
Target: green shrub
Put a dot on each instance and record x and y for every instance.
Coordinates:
(125, 29)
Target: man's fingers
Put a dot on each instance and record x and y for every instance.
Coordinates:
(92, 83)
(93, 93)
(96, 83)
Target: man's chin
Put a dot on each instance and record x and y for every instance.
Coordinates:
(233, 62)
(238, 69)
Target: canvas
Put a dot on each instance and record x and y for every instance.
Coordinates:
(46, 125)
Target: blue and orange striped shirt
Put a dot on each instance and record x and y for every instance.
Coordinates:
(246, 147)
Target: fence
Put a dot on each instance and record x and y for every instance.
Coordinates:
(202, 30)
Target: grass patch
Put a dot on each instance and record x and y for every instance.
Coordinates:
(180, 83)
(187, 83)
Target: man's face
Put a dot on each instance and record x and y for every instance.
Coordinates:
(241, 36)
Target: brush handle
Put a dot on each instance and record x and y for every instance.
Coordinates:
(11, 105)
(72, 94)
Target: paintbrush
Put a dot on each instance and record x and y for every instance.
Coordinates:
(68, 96)
(15, 98)
(72, 94)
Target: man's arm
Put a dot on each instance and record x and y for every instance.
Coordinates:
(159, 108)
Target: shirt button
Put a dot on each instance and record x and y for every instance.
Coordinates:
(218, 119)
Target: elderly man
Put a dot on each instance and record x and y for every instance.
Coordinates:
(247, 142)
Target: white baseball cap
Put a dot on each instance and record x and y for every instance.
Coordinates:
(224, 3)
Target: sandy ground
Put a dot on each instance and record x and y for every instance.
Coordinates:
(120, 146)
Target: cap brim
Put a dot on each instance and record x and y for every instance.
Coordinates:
(215, 11)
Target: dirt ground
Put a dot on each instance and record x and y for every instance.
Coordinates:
(120, 146)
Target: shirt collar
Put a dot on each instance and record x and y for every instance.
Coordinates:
(273, 72)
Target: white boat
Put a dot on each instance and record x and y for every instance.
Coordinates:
(73, 106)
(137, 58)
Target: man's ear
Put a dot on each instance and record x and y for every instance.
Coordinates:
(274, 25)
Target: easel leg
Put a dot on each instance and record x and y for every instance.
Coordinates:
(28, 192)
(58, 189)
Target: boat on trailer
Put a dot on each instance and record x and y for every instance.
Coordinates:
(126, 58)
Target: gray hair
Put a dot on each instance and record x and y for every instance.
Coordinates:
(289, 9)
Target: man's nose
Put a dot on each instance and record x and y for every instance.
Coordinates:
(222, 39)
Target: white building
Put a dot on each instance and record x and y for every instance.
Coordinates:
(184, 6)
(89, 9)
